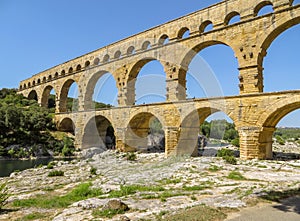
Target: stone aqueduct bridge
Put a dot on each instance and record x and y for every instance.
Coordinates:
(254, 113)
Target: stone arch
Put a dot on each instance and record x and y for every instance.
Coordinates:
(88, 96)
(106, 58)
(56, 75)
(190, 127)
(33, 83)
(268, 121)
(204, 25)
(99, 133)
(44, 79)
(132, 77)
(87, 64)
(187, 59)
(50, 77)
(146, 45)
(62, 73)
(29, 84)
(130, 50)
(66, 125)
(24, 86)
(70, 70)
(230, 16)
(78, 67)
(261, 5)
(20, 87)
(139, 130)
(45, 97)
(39, 81)
(163, 40)
(33, 95)
(273, 34)
(96, 61)
(182, 32)
(117, 54)
(63, 95)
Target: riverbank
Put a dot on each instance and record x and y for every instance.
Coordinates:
(152, 186)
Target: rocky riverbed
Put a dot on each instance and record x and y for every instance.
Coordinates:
(152, 186)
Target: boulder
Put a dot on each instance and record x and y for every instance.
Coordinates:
(90, 152)
(115, 205)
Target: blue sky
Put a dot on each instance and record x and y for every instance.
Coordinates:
(36, 35)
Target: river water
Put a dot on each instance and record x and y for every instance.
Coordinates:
(9, 166)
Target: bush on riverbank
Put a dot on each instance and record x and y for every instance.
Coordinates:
(25, 129)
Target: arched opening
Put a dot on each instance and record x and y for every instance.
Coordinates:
(70, 70)
(96, 61)
(183, 33)
(130, 50)
(232, 18)
(29, 84)
(117, 55)
(56, 75)
(106, 58)
(87, 64)
(44, 79)
(49, 98)
(33, 83)
(163, 40)
(147, 82)
(99, 133)
(296, 2)
(69, 97)
(20, 87)
(212, 71)
(24, 86)
(63, 72)
(281, 133)
(39, 81)
(67, 125)
(263, 8)
(33, 95)
(205, 27)
(78, 68)
(204, 131)
(145, 133)
(281, 64)
(49, 77)
(146, 45)
(105, 93)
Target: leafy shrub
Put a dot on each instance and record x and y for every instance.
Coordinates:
(93, 171)
(235, 142)
(131, 156)
(235, 175)
(230, 159)
(280, 140)
(68, 149)
(225, 152)
(50, 165)
(3, 195)
(56, 173)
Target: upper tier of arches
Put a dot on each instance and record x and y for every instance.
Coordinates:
(158, 37)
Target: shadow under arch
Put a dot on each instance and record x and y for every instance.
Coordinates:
(190, 130)
(33, 95)
(91, 87)
(66, 125)
(133, 78)
(99, 133)
(270, 119)
(145, 133)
